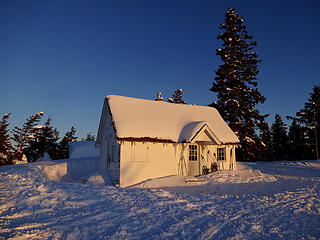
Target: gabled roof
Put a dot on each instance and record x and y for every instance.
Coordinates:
(165, 122)
(192, 131)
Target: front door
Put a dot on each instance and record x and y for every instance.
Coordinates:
(193, 157)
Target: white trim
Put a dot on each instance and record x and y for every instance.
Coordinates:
(202, 129)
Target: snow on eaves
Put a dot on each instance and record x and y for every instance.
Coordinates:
(190, 130)
(167, 122)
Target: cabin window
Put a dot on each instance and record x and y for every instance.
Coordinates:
(139, 153)
(220, 154)
(193, 153)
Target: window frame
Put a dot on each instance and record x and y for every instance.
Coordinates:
(221, 154)
(193, 153)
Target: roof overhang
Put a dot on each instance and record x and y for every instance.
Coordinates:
(205, 132)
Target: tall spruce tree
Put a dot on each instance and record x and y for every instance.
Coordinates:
(309, 118)
(280, 140)
(236, 85)
(5, 143)
(22, 136)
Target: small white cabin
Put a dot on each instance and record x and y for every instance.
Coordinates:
(142, 139)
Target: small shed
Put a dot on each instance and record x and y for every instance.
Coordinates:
(141, 139)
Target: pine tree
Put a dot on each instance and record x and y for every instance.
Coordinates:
(236, 85)
(44, 140)
(279, 139)
(296, 141)
(309, 118)
(69, 137)
(266, 140)
(90, 137)
(5, 143)
(22, 136)
(177, 97)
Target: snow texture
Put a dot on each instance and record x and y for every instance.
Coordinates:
(139, 118)
(44, 158)
(269, 200)
(83, 149)
(74, 170)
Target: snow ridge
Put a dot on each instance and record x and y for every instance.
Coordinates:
(33, 207)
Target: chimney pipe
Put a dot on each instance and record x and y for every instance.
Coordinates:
(159, 97)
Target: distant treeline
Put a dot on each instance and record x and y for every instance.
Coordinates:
(32, 140)
(301, 139)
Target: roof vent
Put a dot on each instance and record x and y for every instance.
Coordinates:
(159, 97)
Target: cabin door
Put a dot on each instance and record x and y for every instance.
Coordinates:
(193, 157)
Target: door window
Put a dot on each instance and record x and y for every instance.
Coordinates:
(193, 153)
(220, 154)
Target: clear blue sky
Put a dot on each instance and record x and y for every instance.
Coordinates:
(63, 57)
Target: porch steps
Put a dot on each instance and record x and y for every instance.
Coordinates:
(195, 180)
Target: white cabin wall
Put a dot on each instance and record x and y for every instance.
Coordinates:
(230, 159)
(226, 163)
(101, 137)
(233, 162)
(230, 162)
(141, 161)
(182, 158)
(109, 148)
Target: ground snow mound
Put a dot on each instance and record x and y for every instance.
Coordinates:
(44, 158)
(98, 177)
(69, 170)
(95, 178)
(244, 174)
(31, 207)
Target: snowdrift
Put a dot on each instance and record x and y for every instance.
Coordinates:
(247, 205)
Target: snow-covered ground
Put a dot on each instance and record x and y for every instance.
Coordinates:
(273, 200)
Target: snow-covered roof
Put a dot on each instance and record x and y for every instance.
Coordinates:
(161, 121)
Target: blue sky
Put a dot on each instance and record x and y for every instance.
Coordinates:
(63, 57)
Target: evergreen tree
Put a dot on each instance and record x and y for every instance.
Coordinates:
(279, 139)
(296, 141)
(236, 86)
(5, 143)
(22, 136)
(69, 137)
(90, 137)
(177, 97)
(309, 118)
(266, 139)
(44, 140)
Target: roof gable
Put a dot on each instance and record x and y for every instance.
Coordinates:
(198, 131)
(205, 134)
(145, 119)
